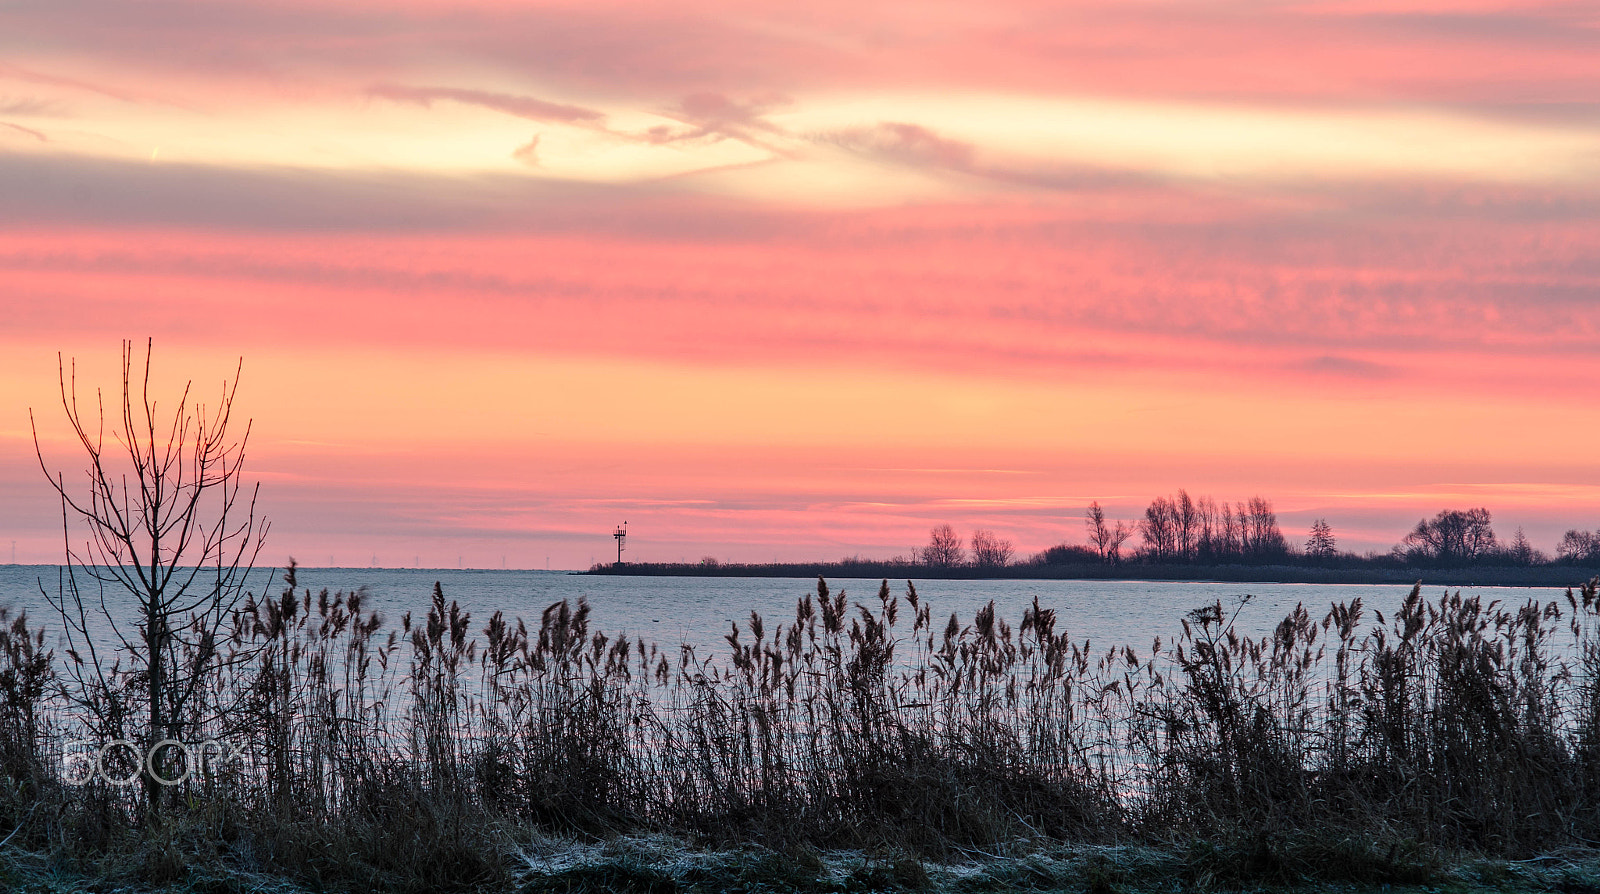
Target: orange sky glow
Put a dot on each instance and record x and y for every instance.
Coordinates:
(798, 281)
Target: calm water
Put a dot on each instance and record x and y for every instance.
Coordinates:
(669, 610)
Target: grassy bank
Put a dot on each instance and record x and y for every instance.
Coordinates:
(658, 864)
(860, 745)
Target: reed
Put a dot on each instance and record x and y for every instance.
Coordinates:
(419, 755)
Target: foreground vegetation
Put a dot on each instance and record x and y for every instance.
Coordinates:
(857, 746)
(658, 864)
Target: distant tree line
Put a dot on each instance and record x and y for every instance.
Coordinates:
(1184, 530)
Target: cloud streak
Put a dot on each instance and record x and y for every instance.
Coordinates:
(26, 75)
(527, 107)
(909, 144)
(1221, 50)
(27, 131)
(29, 107)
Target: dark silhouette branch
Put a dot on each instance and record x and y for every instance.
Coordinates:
(164, 519)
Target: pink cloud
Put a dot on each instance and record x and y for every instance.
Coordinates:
(521, 106)
(1329, 288)
(25, 131)
(1524, 54)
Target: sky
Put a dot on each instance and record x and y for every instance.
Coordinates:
(800, 280)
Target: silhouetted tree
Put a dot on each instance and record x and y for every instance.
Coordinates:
(1521, 552)
(165, 517)
(1119, 535)
(1068, 554)
(1262, 540)
(989, 551)
(1106, 539)
(1321, 544)
(1186, 526)
(1159, 530)
(1579, 548)
(1207, 545)
(1230, 543)
(1099, 532)
(1453, 537)
(944, 549)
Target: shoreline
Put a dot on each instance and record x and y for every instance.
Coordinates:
(1482, 576)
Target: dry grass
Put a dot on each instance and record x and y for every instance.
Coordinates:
(422, 756)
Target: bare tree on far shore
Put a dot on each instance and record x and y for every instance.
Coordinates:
(989, 550)
(1106, 539)
(1579, 548)
(1159, 530)
(1186, 526)
(1321, 545)
(944, 549)
(1522, 552)
(1451, 538)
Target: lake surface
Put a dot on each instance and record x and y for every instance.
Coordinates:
(670, 610)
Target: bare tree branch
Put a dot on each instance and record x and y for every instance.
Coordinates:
(162, 521)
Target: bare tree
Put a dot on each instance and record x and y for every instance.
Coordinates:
(1452, 537)
(1230, 540)
(1159, 529)
(990, 551)
(1186, 523)
(944, 549)
(1119, 536)
(1106, 539)
(1262, 538)
(163, 516)
(1579, 547)
(1099, 533)
(1321, 544)
(1208, 541)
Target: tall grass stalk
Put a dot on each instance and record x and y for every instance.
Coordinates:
(410, 755)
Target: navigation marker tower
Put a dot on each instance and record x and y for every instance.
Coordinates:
(621, 534)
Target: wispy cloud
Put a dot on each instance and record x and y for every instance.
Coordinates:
(25, 130)
(528, 153)
(715, 115)
(905, 143)
(1347, 366)
(527, 107)
(917, 147)
(28, 75)
(30, 107)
